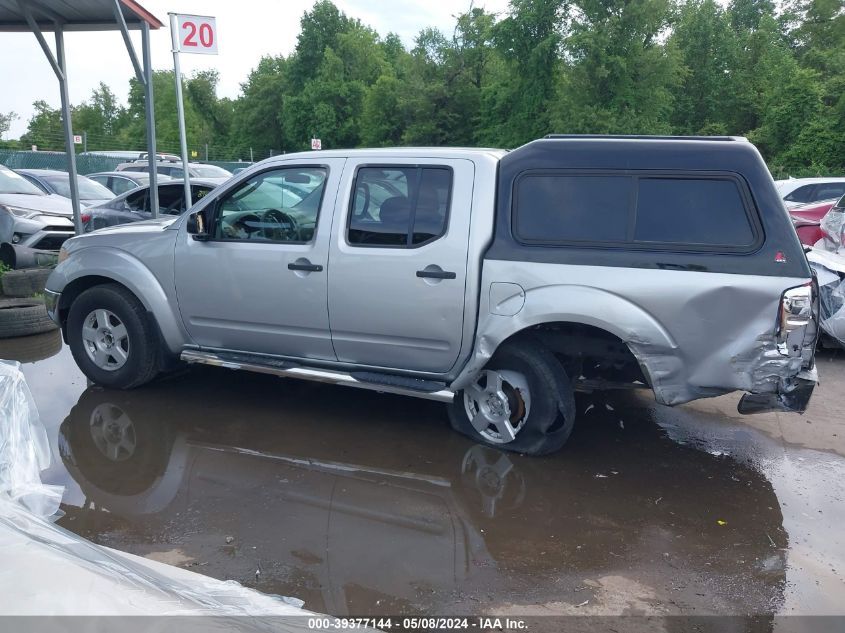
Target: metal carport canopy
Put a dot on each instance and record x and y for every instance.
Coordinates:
(59, 16)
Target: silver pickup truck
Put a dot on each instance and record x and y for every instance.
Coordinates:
(498, 282)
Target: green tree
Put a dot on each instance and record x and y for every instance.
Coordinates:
(101, 118)
(515, 106)
(44, 128)
(6, 120)
(622, 78)
(319, 30)
(258, 114)
(707, 44)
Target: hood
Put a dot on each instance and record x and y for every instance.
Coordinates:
(50, 204)
(129, 236)
(146, 226)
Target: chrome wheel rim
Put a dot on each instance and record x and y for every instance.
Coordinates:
(105, 339)
(498, 404)
(113, 432)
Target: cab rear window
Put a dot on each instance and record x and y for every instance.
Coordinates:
(686, 212)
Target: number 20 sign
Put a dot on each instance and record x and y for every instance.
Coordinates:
(197, 34)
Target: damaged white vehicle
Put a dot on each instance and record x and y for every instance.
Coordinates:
(827, 258)
(498, 282)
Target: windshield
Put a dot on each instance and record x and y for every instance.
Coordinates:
(210, 171)
(88, 189)
(10, 182)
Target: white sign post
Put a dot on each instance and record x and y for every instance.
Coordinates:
(77, 139)
(189, 34)
(316, 144)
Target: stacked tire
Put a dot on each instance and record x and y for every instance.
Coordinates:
(22, 314)
(26, 282)
(24, 317)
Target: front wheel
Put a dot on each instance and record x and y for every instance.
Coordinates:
(522, 401)
(111, 337)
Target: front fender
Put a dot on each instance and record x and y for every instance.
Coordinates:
(124, 268)
(651, 344)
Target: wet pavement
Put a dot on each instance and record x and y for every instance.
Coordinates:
(360, 503)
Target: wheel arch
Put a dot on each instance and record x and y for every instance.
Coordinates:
(98, 266)
(570, 308)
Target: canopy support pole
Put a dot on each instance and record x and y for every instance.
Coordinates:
(70, 150)
(145, 78)
(57, 61)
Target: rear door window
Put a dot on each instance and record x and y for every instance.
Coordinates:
(399, 206)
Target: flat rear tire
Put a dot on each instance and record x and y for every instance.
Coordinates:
(522, 401)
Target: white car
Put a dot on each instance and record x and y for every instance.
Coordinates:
(31, 217)
(795, 191)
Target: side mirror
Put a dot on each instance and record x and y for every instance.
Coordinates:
(196, 226)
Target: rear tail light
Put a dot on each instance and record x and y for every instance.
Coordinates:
(798, 309)
(85, 217)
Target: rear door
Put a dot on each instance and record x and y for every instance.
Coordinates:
(398, 263)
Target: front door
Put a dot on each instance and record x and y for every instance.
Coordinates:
(398, 263)
(258, 284)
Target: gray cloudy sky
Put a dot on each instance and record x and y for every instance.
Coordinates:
(246, 31)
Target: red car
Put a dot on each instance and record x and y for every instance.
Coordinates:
(806, 219)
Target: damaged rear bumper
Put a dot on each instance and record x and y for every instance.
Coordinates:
(794, 397)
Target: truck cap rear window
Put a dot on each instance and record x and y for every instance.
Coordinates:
(698, 212)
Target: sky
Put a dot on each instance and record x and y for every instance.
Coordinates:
(246, 31)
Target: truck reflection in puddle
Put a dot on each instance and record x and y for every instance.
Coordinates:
(328, 495)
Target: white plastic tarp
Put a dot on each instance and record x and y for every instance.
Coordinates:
(47, 570)
(829, 267)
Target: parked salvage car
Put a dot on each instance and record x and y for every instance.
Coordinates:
(807, 219)
(58, 182)
(29, 217)
(497, 282)
(175, 169)
(134, 206)
(119, 182)
(796, 191)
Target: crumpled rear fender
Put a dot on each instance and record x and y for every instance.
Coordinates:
(694, 337)
(650, 342)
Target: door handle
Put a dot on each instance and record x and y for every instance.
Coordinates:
(436, 274)
(309, 267)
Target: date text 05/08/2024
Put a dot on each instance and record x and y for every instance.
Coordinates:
(476, 623)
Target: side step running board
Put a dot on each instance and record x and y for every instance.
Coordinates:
(373, 381)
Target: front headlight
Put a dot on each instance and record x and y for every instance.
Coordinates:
(63, 254)
(19, 212)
